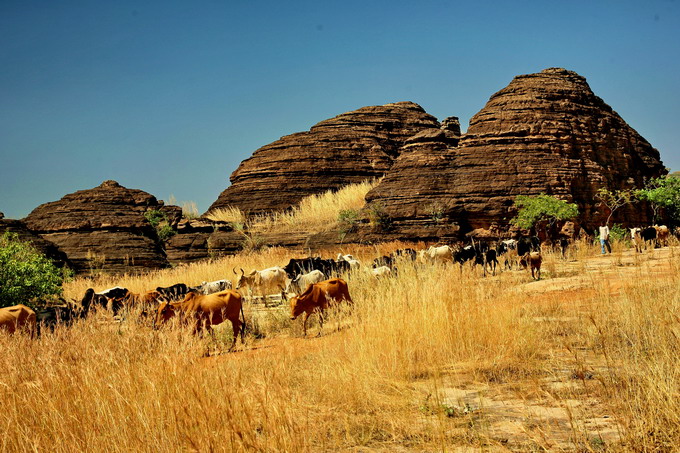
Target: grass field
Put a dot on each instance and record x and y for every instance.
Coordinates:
(433, 360)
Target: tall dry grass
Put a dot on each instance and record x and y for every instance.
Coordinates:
(314, 213)
(373, 380)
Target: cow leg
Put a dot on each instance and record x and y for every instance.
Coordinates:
(236, 327)
(304, 324)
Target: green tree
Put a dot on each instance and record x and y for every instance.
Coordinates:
(25, 273)
(532, 210)
(663, 193)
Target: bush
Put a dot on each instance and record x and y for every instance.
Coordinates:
(159, 221)
(348, 220)
(26, 274)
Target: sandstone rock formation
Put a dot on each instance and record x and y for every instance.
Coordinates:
(545, 132)
(104, 228)
(346, 149)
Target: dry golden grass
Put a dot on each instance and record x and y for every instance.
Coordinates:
(314, 214)
(379, 376)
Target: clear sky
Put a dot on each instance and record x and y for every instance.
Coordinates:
(169, 96)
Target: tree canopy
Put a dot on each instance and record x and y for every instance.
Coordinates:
(25, 273)
(663, 192)
(538, 208)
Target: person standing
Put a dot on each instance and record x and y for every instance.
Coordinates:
(604, 239)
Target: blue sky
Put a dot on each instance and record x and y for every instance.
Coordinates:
(170, 96)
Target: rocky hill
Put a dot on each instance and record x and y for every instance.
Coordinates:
(346, 149)
(543, 133)
(104, 228)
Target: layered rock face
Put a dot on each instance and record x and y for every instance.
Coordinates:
(104, 228)
(543, 133)
(347, 149)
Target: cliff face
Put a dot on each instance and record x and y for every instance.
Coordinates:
(346, 149)
(104, 228)
(545, 132)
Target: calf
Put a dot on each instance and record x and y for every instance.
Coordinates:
(206, 311)
(649, 236)
(301, 282)
(317, 298)
(18, 317)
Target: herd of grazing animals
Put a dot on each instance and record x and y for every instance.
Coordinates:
(314, 282)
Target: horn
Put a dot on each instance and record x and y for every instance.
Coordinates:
(242, 272)
(234, 271)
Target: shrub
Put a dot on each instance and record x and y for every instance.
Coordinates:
(159, 221)
(379, 217)
(348, 220)
(26, 274)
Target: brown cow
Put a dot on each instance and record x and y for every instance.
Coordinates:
(534, 259)
(16, 318)
(662, 234)
(207, 310)
(317, 297)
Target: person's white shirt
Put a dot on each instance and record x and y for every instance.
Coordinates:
(604, 232)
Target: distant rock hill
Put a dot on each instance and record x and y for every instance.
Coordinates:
(104, 228)
(349, 148)
(543, 133)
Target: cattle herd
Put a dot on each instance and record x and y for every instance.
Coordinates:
(314, 283)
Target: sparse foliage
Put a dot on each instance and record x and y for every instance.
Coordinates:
(613, 200)
(348, 220)
(379, 217)
(25, 273)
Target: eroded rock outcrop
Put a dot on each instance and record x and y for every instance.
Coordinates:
(346, 149)
(104, 228)
(543, 133)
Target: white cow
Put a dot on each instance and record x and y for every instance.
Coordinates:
(443, 254)
(636, 238)
(264, 282)
(302, 281)
(382, 271)
(214, 287)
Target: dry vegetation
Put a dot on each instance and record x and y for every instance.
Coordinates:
(314, 214)
(585, 360)
(435, 359)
